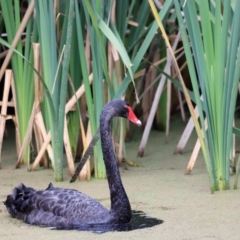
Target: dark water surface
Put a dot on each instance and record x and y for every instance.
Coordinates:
(139, 221)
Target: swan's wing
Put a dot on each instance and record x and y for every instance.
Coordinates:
(53, 206)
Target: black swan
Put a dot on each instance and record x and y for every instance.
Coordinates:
(58, 207)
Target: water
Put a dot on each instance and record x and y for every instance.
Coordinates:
(139, 221)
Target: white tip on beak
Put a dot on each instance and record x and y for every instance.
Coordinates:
(138, 123)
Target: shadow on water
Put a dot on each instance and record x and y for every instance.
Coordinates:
(139, 221)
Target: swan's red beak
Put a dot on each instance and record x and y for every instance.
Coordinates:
(132, 117)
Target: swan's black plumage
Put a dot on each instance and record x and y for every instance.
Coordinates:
(58, 207)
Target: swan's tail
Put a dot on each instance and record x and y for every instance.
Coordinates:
(17, 202)
(25, 203)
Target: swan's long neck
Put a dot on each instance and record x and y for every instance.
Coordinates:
(119, 200)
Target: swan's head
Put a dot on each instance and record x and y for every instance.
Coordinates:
(122, 109)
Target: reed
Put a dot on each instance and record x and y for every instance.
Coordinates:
(210, 35)
(22, 71)
(79, 39)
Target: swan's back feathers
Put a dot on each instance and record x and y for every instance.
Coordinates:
(55, 207)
